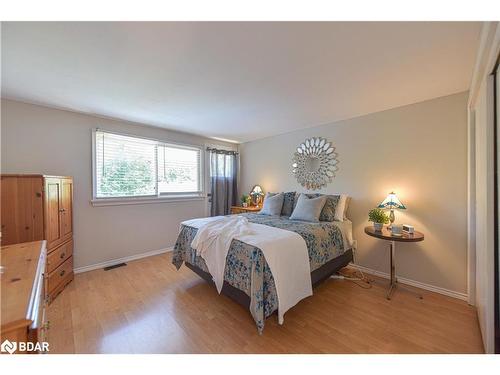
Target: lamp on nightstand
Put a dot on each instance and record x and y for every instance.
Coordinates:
(392, 202)
(257, 194)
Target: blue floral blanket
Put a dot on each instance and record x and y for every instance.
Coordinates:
(247, 269)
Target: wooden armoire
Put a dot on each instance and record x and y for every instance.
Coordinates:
(39, 207)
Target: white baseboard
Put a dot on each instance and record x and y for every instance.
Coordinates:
(112, 262)
(416, 284)
(402, 280)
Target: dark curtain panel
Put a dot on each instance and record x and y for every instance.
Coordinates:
(223, 179)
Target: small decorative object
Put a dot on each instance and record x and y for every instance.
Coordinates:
(397, 230)
(257, 193)
(378, 217)
(410, 229)
(314, 163)
(392, 202)
(244, 200)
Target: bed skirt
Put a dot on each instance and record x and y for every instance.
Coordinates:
(317, 276)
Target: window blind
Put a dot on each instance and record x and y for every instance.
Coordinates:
(127, 166)
(178, 169)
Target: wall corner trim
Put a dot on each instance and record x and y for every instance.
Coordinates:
(113, 262)
(416, 284)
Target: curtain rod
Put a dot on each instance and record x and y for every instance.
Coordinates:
(219, 151)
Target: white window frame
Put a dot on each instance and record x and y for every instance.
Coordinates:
(159, 197)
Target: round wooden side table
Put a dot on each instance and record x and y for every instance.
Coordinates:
(386, 234)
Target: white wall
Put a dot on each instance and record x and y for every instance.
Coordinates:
(44, 140)
(420, 152)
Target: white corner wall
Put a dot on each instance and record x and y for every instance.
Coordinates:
(36, 139)
(420, 152)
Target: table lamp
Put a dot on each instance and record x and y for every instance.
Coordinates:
(392, 202)
(257, 194)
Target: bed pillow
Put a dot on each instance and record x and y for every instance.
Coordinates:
(273, 204)
(341, 211)
(331, 210)
(308, 209)
(308, 195)
(288, 202)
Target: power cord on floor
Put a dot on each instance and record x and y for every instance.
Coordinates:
(361, 280)
(367, 283)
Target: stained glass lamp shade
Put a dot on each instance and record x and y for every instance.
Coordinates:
(392, 202)
(256, 190)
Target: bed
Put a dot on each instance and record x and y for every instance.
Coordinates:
(247, 274)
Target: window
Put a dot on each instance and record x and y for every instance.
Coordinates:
(178, 169)
(133, 167)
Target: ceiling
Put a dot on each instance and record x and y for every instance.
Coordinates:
(236, 80)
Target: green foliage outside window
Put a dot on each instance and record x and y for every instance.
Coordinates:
(127, 178)
(177, 175)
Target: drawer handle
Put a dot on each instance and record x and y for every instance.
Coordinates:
(62, 273)
(62, 255)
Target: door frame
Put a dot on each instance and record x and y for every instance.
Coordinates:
(483, 79)
(496, 192)
(471, 206)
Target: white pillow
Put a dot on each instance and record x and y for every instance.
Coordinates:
(347, 203)
(341, 209)
(308, 209)
(272, 204)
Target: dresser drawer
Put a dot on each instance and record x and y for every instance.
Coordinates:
(60, 273)
(58, 289)
(59, 255)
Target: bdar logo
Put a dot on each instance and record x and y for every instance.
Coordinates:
(9, 347)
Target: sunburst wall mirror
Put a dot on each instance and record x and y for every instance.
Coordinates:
(314, 163)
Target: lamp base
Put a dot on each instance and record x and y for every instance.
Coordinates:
(392, 217)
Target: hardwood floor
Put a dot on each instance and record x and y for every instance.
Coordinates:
(149, 307)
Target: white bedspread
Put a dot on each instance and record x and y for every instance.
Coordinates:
(285, 252)
(212, 242)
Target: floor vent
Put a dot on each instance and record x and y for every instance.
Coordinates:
(114, 266)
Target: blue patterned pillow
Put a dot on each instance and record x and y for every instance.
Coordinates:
(328, 212)
(288, 203)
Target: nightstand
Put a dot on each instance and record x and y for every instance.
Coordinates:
(386, 234)
(242, 210)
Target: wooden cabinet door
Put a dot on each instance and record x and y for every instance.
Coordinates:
(10, 227)
(66, 208)
(53, 209)
(22, 209)
(31, 195)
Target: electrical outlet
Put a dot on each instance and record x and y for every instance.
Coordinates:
(355, 245)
